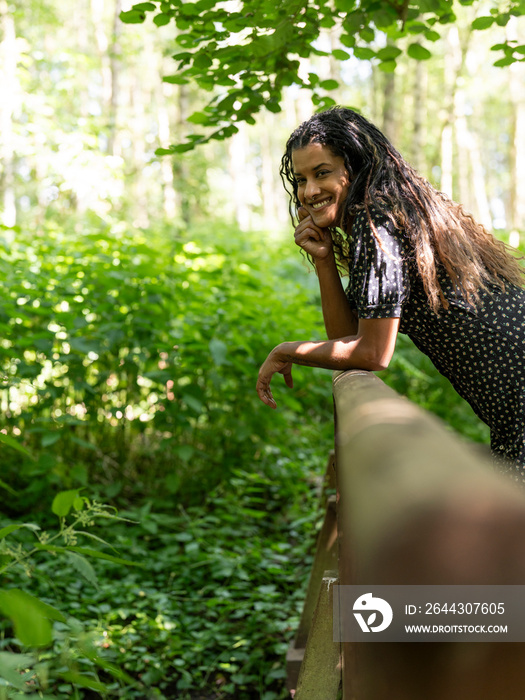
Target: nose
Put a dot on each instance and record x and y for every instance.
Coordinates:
(311, 189)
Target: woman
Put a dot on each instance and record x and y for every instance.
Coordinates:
(417, 263)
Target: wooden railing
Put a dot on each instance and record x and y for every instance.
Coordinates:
(414, 505)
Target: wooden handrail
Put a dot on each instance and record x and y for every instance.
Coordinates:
(418, 506)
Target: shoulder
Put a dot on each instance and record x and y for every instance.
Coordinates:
(370, 221)
(375, 228)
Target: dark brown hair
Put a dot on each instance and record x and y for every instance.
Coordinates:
(439, 230)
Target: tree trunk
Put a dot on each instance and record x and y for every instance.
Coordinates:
(114, 64)
(420, 109)
(238, 147)
(9, 89)
(462, 150)
(181, 170)
(482, 208)
(165, 92)
(516, 218)
(452, 67)
(138, 100)
(455, 55)
(389, 108)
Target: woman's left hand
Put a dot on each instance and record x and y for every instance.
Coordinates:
(274, 364)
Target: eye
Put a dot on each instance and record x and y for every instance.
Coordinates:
(299, 181)
(323, 172)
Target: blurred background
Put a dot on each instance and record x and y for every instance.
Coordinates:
(140, 293)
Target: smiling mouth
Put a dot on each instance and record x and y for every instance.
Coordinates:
(320, 205)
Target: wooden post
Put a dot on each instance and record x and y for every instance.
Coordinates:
(326, 555)
(416, 506)
(320, 675)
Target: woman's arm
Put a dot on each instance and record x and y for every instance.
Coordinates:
(339, 319)
(371, 349)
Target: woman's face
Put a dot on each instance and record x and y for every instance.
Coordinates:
(322, 183)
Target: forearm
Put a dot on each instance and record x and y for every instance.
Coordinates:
(371, 349)
(339, 319)
(352, 352)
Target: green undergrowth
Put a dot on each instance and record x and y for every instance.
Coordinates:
(211, 612)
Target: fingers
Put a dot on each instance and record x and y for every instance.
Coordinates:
(287, 374)
(265, 394)
(307, 230)
(302, 213)
(265, 376)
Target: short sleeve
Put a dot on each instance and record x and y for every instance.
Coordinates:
(379, 281)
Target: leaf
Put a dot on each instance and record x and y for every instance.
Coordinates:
(363, 53)
(329, 84)
(11, 442)
(83, 681)
(389, 53)
(503, 20)
(483, 22)
(16, 526)
(202, 61)
(340, 54)
(219, 351)
(95, 537)
(273, 106)
(78, 503)
(11, 665)
(84, 346)
(115, 671)
(345, 5)
(161, 20)
(49, 438)
(83, 567)
(83, 443)
(385, 18)
(30, 617)
(8, 488)
(418, 52)
(88, 552)
(347, 40)
(132, 17)
(198, 118)
(185, 452)
(143, 7)
(175, 79)
(193, 403)
(63, 502)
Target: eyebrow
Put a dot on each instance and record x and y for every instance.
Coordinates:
(315, 168)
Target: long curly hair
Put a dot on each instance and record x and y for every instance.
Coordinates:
(439, 230)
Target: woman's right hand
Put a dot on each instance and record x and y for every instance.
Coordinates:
(315, 241)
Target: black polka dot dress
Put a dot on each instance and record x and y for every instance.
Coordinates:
(480, 350)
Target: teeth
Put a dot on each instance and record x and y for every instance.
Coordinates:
(318, 205)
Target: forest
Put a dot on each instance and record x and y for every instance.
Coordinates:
(157, 520)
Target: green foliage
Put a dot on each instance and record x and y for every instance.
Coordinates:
(47, 646)
(219, 601)
(134, 358)
(216, 42)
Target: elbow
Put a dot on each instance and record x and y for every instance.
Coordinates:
(377, 364)
(371, 360)
(381, 366)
